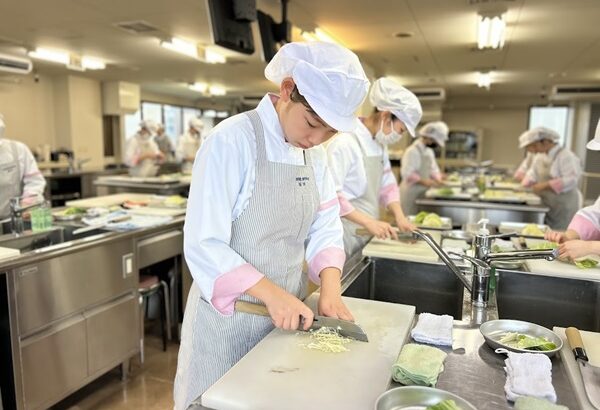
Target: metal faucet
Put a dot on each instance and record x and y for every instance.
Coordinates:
(16, 213)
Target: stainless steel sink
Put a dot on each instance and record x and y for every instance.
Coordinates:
(5, 227)
(30, 241)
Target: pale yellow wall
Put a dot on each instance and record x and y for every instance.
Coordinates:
(28, 110)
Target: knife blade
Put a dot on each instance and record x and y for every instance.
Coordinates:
(590, 374)
(344, 327)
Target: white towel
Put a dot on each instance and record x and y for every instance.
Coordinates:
(529, 374)
(433, 329)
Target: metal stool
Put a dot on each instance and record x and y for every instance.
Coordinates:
(148, 286)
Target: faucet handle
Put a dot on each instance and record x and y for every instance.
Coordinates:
(474, 261)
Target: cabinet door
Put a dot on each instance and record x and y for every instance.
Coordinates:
(54, 362)
(113, 333)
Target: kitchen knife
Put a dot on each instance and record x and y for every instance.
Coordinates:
(590, 374)
(344, 327)
(406, 237)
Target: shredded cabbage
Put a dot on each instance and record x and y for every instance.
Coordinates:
(586, 263)
(444, 405)
(327, 339)
(526, 342)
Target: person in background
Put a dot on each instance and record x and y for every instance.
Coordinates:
(262, 201)
(19, 173)
(360, 164)
(420, 170)
(189, 143)
(558, 190)
(164, 143)
(582, 237)
(543, 162)
(141, 152)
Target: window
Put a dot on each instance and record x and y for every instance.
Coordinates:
(132, 123)
(555, 118)
(152, 111)
(173, 124)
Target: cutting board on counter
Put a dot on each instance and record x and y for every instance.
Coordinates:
(280, 374)
(591, 341)
(108, 200)
(153, 211)
(418, 251)
(6, 253)
(562, 269)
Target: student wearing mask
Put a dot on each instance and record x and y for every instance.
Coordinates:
(189, 143)
(558, 188)
(361, 167)
(261, 202)
(541, 161)
(582, 236)
(420, 170)
(141, 152)
(19, 173)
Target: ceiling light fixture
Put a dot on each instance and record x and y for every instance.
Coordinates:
(484, 80)
(198, 87)
(181, 46)
(490, 31)
(213, 56)
(54, 56)
(91, 63)
(319, 34)
(216, 90)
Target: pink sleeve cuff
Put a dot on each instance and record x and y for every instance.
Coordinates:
(527, 182)
(389, 194)
(414, 177)
(584, 228)
(327, 258)
(345, 205)
(556, 184)
(519, 174)
(328, 204)
(230, 285)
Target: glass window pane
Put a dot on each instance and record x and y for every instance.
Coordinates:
(173, 122)
(132, 123)
(152, 111)
(189, 113)
(555, 118)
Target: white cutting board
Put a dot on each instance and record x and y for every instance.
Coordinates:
(6, 253)
(280, 374)
(150, 210)
(562, 269)
(391, 249)
(108, 200)
(591, 341)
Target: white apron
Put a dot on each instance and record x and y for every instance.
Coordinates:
(146, 167)
(367, 203)
(270, 235)
(409, 193)
(190, 148)
(10, 176)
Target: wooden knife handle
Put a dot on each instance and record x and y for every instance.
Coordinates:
(252, 308)
(576, 342)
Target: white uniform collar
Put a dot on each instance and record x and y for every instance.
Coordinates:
(364, 135)
(270, 122)
(554, 151)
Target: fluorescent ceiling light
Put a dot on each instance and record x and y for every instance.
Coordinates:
(181, 46)
(209, 113)
(198, 87)
(54, 56)
(491, 31)
(319, 35)
(222, 114)
(216, 90)
(91, 63)
(213, 56)
(484, 80)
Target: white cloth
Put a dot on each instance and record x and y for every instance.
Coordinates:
(347, 166)
(411, 162)
(388, 95)
(329, 76)
(594, 144)
(30, 176)
(564, 170)
(433, 329)
(537, 134)
(437, 130)
(226, 192)
(187, 146)
(529, 374)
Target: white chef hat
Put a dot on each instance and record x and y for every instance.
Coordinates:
(196, 123)
(328, 76)
(595, 143)
(537, 134)
(388, 95)
(437, 130)
(150, 125)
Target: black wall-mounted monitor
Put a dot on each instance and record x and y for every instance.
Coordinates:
(272, 35)
(226, 31)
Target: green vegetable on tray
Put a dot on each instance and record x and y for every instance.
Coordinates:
(73, 210)
(544, 245)
(526, 342)
(420, 216)
(445, 191)
(444, 405)
(586, 263)
(428, 219)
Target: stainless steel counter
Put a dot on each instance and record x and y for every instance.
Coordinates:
(107, 186)
(463, 212)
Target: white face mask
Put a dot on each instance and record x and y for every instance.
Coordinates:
(386, 139)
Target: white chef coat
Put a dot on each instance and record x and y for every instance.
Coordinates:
(565, 170)
(586, 222)
(223, 180)
(411, 162)
(524, 165)
(345, 155)
(137, 146)
(187, 146)
(32, 179)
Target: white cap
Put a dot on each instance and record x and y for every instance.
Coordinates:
(329, 76)
(388, 95)
(150, 125)
(437, 130)
(595, 143)
(537, 134)
(196, 123)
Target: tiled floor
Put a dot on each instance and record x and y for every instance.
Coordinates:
(148, 387)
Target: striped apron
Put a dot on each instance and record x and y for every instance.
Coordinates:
(270, 235)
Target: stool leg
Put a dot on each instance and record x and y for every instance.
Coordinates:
(142, 301)
(160, 294)
(167, 310)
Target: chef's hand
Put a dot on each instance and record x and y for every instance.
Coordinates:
(428, 182)
(288, 312)
(330, 298)
(405, 225)
(540, 186)
(575, 249)
(555, 236)
(381, 229)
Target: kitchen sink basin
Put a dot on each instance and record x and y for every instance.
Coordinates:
(5, 227)
(30, 241)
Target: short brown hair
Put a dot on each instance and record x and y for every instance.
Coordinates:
(296, 97)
